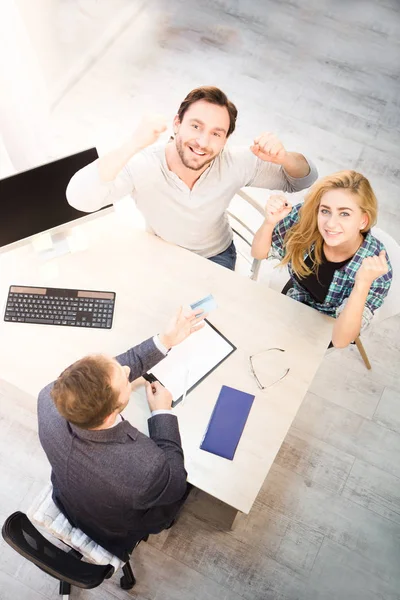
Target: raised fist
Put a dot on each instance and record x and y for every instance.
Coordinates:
(277, 208)
(269, 148)
(149, 130)
(371, 268)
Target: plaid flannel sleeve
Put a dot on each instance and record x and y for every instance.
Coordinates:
(379, 290)
(281, 229)
(376, 296)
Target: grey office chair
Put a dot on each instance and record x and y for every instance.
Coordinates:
(66, 566)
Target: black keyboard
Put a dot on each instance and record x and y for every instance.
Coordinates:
(57, 306)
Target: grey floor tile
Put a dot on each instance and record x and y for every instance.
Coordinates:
(10, 561)
(383, 352)
(376, 490)
(340, 573)
(211, 510)
(182, 583)
(316, 461)
(350, 433)
(376, 161)
(12, 589)
(287, 541)
(109, 590)
(161, 577)
(346, 388)
(36, 580)
(359, 529)
(235, 565)
(271, 532)
(387, 412)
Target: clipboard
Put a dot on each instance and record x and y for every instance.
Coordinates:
(191, 361)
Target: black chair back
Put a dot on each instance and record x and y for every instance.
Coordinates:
(21, 535)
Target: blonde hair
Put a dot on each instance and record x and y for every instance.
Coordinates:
(305, 234)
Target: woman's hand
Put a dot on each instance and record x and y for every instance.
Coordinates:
(276, 209)
(371, 268)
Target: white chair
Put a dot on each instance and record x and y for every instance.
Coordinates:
(245, 218)
(391, 305)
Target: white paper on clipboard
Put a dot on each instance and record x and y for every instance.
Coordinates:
(191, 360)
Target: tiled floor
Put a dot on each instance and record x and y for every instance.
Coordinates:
(324, 75)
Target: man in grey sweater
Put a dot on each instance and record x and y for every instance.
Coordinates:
(184, 188)
(110, 480)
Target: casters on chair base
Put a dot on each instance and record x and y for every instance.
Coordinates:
(64, 589)
(128, 580)
(127, 584)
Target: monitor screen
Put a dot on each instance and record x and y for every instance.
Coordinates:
(35, 200)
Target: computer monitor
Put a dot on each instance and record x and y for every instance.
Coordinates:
(34, 201)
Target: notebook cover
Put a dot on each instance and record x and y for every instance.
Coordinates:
(227, 422)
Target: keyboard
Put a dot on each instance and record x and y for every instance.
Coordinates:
(58, 306)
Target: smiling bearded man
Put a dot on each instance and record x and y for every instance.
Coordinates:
(184, 188)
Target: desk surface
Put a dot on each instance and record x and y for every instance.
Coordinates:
(151, 279)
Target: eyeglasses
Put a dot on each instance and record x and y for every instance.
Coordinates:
(264, 387)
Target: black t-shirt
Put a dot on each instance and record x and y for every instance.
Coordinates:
(317, 283)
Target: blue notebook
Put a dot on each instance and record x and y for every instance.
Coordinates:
(227, 422)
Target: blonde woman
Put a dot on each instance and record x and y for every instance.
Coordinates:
(336, 265)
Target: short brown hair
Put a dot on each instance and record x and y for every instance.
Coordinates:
(213, 95)
(83, 393)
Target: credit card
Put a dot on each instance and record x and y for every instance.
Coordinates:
(206, 304)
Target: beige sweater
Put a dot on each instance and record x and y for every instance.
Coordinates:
(194, 219)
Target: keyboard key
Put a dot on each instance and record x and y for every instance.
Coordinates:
(41, 321)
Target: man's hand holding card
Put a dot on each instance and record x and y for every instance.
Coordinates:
(207, 304)
(183, 324)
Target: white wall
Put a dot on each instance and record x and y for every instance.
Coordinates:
(24, 100)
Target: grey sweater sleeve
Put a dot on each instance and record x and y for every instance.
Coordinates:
(248, 170)
(274, 177)
(86, 191)
(140, 358)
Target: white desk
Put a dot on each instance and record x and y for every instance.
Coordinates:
(151, 279)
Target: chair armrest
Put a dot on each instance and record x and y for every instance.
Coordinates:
(251, 201)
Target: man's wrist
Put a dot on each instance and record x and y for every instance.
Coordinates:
(296, 165)
(160, 345)
(165, 341)
(131, 147)
(160, 411)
